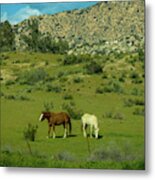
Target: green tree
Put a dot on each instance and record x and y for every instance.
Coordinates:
(7, 36)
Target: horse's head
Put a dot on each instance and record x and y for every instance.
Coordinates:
(44, 115)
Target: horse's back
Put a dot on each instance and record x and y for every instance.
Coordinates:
(89, 118)
(62, 116)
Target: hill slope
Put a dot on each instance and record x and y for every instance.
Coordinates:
(102, 28)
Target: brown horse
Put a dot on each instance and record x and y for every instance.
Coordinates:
(56, 119)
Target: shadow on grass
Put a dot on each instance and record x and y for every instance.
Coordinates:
(99, 136)
(70, 136)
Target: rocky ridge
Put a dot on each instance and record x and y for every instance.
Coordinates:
(103, 28)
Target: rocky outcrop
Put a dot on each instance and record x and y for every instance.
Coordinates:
(102, 28)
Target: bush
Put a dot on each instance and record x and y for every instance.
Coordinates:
(118, 116)
(16, 97)
(72, 110)
(100, 90)
(60, 74)
(128, 102)
(10, 97)
(77, 80)
(104, 76)
(111, 86)
(112, 115)
(48, 106)
(139, 102)
(22, 98)
(64, 156)
(93, 68)
(30, 132)
(7, 37)
(67, 97)
(32, 77)
(75, 59)
(138, 111)
(137, 80)
(113, 153)
(134, 75)
(135, 92)
(9, 82)
(108, 114)
(53, 88)
(133, 102)
(1, 94)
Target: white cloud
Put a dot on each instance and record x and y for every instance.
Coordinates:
(22, 14)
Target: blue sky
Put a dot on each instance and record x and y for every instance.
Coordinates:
(15, 13)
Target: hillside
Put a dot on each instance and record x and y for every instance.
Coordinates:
(103, 28)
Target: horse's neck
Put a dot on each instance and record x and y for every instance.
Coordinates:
(48, 118)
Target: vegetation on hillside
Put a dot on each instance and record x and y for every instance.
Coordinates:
(7, 37)
(35, 82)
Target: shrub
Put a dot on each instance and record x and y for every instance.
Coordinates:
(32, 77)
(138, 111)
(63, 79)
(60, 74)
(28, 90)
(9, 82)
(72, 110)
(122, 78)
(139, 102)
(131, 102)
(118, 116)
(114, 153)
(137, 80)
(135, 92)
(128, 102)
(64, 156)
(104, 76)
(100, 90)
(71, 59)
(109, 153)
(93, 68)
(16, 97)
(74, 59)
(111, 86)
(30, 132)
(112, 115)
(67, 97)
(134, 75)
(7, 37)
(53, 88)
(77, 80)
(141, 55)
(48, 106)
(23, 98)
(108, 114)
(10, 97)
(1, 94)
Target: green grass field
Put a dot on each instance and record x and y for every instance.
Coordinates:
(115, 96)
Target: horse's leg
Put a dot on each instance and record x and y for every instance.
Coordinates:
(96, 132)
(53, 131)
(84, 130)
(91, 131)
(49, 131)
(65, 130)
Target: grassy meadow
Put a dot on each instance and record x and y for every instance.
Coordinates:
(111, 87)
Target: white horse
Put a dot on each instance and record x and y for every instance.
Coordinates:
(91, 121)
